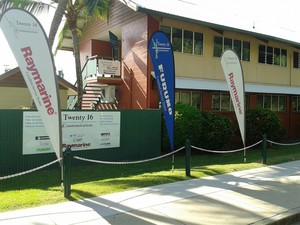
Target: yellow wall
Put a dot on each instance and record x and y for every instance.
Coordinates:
(209, 67)
(19, 98)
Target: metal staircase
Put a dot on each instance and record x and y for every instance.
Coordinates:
(94, 85)
(91, 96)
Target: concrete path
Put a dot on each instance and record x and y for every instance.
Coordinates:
(257, 196)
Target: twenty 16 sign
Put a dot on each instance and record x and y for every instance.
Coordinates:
(80, 130)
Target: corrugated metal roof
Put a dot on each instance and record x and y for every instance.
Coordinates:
(271, 19)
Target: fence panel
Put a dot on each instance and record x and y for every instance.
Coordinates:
(140, 138)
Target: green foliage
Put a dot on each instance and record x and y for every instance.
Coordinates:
(217, 131)
(204, 129)
(188, 125)
(263, 121)
(212, 131)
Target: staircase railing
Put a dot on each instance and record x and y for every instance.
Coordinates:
(72, 101)
(89, 70)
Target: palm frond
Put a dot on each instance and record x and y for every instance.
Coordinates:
(62, 35)
(98, 8)
(35, 7)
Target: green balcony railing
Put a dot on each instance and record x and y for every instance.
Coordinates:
(90, 70)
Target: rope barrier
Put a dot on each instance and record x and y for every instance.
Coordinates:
(145, 160)
(283, 144)
(223, 152)
(128, 162)
(30, 171)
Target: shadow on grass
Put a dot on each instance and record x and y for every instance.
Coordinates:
(121, 184)
(79, 194)
(202, 163)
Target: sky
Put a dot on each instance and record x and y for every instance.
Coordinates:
(64, 60)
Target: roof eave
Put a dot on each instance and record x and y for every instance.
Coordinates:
(216, 26)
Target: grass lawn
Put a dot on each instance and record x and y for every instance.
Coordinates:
(43, 187)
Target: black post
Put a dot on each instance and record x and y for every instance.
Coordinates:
(188, 158)
(67, 156)
(264, 149)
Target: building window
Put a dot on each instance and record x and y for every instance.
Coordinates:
(277, 56)
(237, 47)
(198, 43)
(187, 41)
(272, 102)
(167, 31)
(296, 103)
(269, 55)
(227, 43)
(221, 102)
(246, 51)
(296, 60)
(262, 54)
(115, 53)
(242, 48)
(272, 56)
(218, 46)
(283, 57)
(184, 41)
(192, 98)
(177, 39)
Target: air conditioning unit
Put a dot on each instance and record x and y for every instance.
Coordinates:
(109, 93)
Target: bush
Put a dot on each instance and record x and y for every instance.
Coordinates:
(188, 125)
(212, 131)
(217, 131)
(262, 121)
(204, 129)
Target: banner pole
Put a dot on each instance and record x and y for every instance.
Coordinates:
(62, 171)
(173, 161)
(245, 159)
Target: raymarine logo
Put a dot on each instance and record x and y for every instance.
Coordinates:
(39, 85)
(236, 96)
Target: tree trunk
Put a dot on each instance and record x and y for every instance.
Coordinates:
(59, 13)
(76, 50)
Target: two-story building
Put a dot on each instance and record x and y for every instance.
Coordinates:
(269, 53)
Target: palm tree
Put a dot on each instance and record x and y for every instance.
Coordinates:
(37, 7)
(57, 18)
(78, 14)
(32, 6)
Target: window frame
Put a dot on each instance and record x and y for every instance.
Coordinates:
(229, 43)
(194, 44)
(192, 93)
(221, 97)
(266, 101)
(296, 63)
(297, 106)
(272, 55)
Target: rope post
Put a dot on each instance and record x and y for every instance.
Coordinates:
(188, 158)
(67, 156)
(264, 149)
